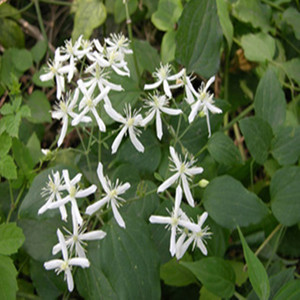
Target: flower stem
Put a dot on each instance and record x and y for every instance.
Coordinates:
(40, 19)
(239, 141)
(14, 204)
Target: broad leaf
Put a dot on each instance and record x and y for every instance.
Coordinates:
(8, 168)
(5, 142)
(230, 204)
(168, 46)
(285, 193)
(8, 282)
(22, 59)
(290, 290)
(11, 238)
(258, 136)
(119, 9)
(257, 273)
(215, 274)
(223, 150)
(199, 38)
(11, 34)
(269, 100)
(292, 17)
(292, 68)
(39, 50)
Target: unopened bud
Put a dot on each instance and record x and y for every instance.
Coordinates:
(201, 114)
(203, 183)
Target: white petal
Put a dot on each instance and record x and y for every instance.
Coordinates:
(63, 131)
(63, 212)
(189, 225)
(75, 212)
(86, 192)
(97, 205)
(171, 111)
(185, 246)
(79, 250)
(202, 219)
(187, 191)
(159, 131)
(175, 157)
(194, 171)
(178, 75)
(80, 262)
(117, 215)
(160, 220)
(53, 264)
(70, 281)
(76, 179)
(167, 89)
(209, 82)
(213, 109)
(148, 118)
(168, 182)
(115, 145)
(173, 241)
(201, 246)
(120, 72)
(62, 243)
(47, 76)
(102, 178)
(136, 143)
(123, 188)
(114, 114)
(152, 85)
(178, 197)
(56, 249)
(208, 124)
(93, 235)
(100, 123)
(194, 111)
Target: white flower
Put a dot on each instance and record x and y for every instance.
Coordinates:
(112, 196)
(76, 239)
(74, 192)
(130, 122)
(195, 237)
(177, 218)
(157, 104)
(55, 69)
(88, 104)
(204, 103)
(118, 42)
(66, 263)
(163, 76)
(53, 193)
(63, 110)
(184, 171)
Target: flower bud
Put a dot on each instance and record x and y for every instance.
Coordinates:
(203, 183)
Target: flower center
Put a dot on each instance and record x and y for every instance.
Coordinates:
(89, 102)
(64, 266)
(52, 186)
(72, 191)
(163, 73)
(174, 221)
(63, 107)
(130, 122)
(182, 169)
(113, 193)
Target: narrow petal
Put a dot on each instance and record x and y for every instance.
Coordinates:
(178, 197)
(114, 114)
(178, 75)
(86, 192)
(194, 171)
(53, 264)
(136, 143)
(152, 85)
(208, 124)
(123, 188)
(117, 215)
(168, 182)
(63, 212)
(194, 111)
(63, 131)
(171, 111)
(76, 179)
(187, 191)
(160, 220)
(100, 123)
(148, 118)
(201, 246)
(80, 262)
(202, 219)
(189, 225)
(115, 145)
(102, 178)
(159, 131)
(213, 109)
(70, 281)
(93, 235)
(75, 212)
(185, 246)
(97, 205)
(173, 241)
(167, 89)
(56, 249)
(209, 82)
(179, 244)
(62, 243)
(79, 250)
(47, 76)
(175, 157)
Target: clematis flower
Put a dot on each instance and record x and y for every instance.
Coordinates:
(88, 104)
(195, 237)
(63, 110)
(157, 104)
(74, 192)
(52, 192)
(118, 42)
(112, 192)
(76, 239)
(130, 122)
(184, 171)
(204, 103)
(163, 76)
(65, 265)
(177, 218)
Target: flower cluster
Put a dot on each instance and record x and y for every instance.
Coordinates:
(79, 102)
(178, 221)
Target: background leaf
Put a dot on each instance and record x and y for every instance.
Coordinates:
(8, 281)
(11, 238)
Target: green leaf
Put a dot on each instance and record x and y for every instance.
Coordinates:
(111, 258)
(223, 150)
(11, 35)
(258, 47)
(292, 68)
(258, 136)
(269, 102)
(285, 193)
(224, 18)
(40, 107)
(286, 145)
(292, 17)
(22, 59)
(40, 237)
(167, 14)
(48, 285)
(257, 273)
(205, 294)
(240, 275)
(251, 11)
(11, 238)
(147, 56)
(215, 274)
(175, 274)
(24, 111)
(7, 10)
(39, 50)
(5, 142)
(89, 15)
(36, 79)
(168, 46)
(12, 124)
(7, 109)
(8, 275)
(147, 161)
(290, 290)
(199, 38)
(230, 204)
(34, 147)
(8, 168)
(119, 9)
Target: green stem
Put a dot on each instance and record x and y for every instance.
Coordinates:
(226, 84)
(85, 150)
(240, 116)
(14, 204)
(239, 141)
(201, 151)
(129, 27)
(239, 296)
(40, 19)
(273, 5)
(251, 174)
(56, 2)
